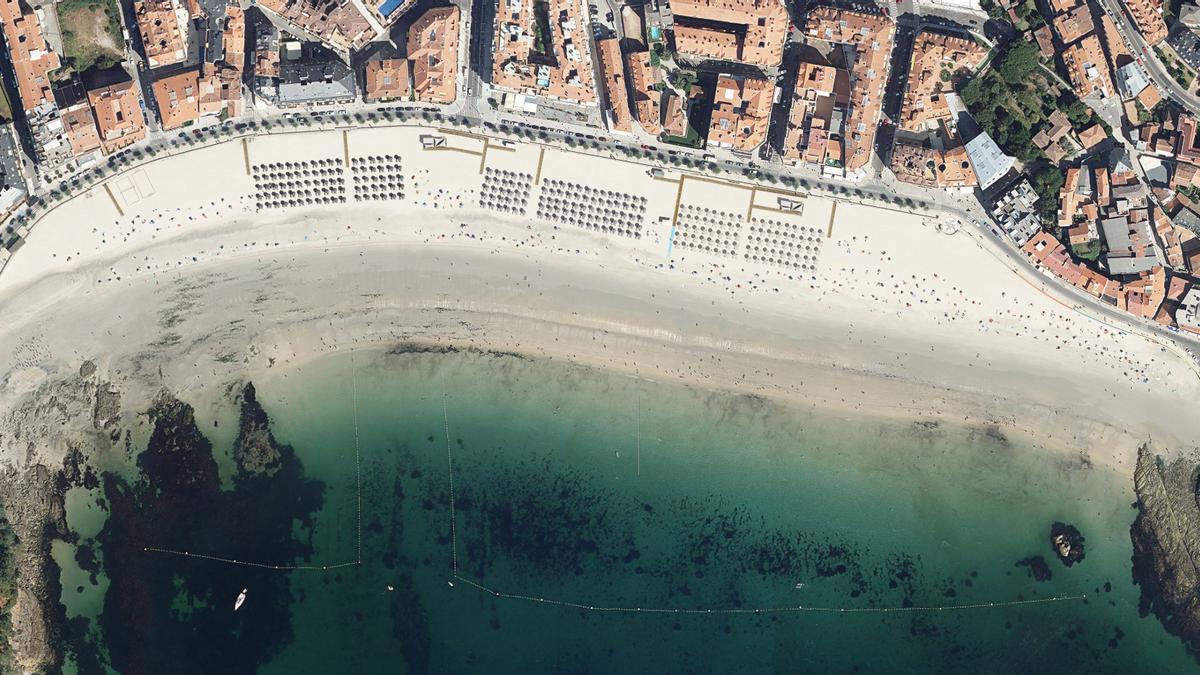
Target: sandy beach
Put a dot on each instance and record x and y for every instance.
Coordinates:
(175, 274)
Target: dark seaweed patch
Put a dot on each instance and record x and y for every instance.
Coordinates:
(177, 503)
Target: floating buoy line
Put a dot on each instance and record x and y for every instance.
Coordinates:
(571, 604)
(591, 607)
(358, 505)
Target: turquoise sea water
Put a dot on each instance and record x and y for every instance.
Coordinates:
(731, 502)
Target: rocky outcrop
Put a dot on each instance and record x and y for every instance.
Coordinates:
(255, 450)
(1038, 569)
(1166, 543)
(1067, 543)
(178, 504)
(33, 506)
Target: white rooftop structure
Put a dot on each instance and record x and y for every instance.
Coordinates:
(1131, 79)
(1016, 212)
(988, 160)
(1189, 309)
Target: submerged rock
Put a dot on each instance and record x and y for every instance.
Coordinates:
(1067, 543)
(157, 606)
(255, 450)
(1166, 543)
(31, 515)
(1039, 569)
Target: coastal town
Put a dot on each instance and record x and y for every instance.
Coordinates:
(927, 257)
(1066, 131)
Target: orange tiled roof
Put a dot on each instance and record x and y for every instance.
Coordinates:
(934, 54)
(707, 42)
(1141, 297)
(266, 63)
(758, 29)
(1169, 237)
(1150, 97)
(928, 167)
(220, 88)
(1074, 24)
(1149, 20)
(819, 89)
(612, 70)
(337, 22)
(1092, 136)
(1045, 42)
(387, 80)
(647, 100)
(873, 35)
(1070, 201)
(80, 128)
(31, 58)
(433, 55)
(233, 39)
(741, 112)
(178, 99)
(163, 27)
(1113, 40)
(118, 116)
(1088, 67)
(1188, 147)
(221, 83)
(1103, 191)
(566, 74)
(676, 123)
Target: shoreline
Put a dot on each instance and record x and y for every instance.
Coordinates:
(188, 289)
(819, 369)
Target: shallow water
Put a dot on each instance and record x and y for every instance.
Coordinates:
(582, 486)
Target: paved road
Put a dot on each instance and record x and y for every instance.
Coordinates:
(1149, 60)
(945, 206)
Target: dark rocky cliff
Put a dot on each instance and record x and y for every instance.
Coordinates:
(1166, 543)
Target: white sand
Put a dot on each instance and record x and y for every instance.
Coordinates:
(189, 288)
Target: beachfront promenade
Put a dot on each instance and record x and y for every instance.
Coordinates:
(300, 242)
(738, 208)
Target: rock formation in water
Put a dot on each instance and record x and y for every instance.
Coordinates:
(160, 606)
(1166, 543)
(33, 507)
(1038, 568)
(255, 450)
(1067, 543)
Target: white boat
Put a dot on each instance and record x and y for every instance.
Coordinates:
(237, 604)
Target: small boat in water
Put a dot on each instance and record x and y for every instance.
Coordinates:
(237, 604)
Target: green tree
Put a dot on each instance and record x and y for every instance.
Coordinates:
(1047, 182)
(1020, 61)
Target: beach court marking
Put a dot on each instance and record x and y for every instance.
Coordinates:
(114, 199)
(287, 568)
(447, 148)
(786, 609)
(488, 146)
(678, 200)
